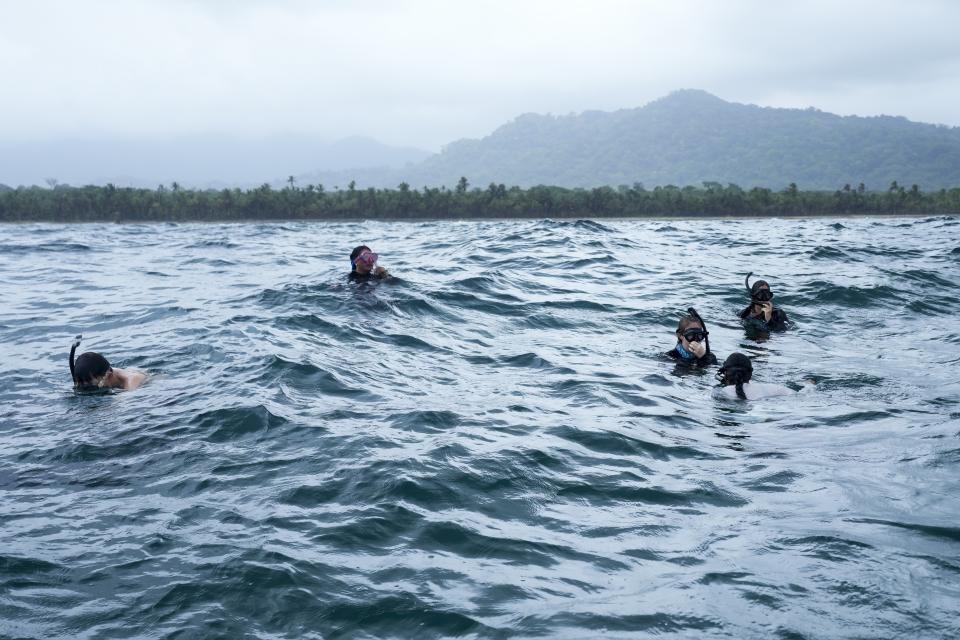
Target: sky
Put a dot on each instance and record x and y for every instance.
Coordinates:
(427, 72)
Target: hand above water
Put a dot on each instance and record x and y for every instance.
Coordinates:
(766, 309)
(698, 349)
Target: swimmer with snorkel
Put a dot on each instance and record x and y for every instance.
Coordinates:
(693, 342)
(761, 314)
(363, 264)
(736, 376)
(92, 372)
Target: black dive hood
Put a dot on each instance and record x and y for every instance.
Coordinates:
(754, 295)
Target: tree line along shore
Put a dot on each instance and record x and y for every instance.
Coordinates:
(61, 203)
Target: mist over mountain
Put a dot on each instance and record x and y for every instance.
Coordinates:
(687, 138)
(195, 161)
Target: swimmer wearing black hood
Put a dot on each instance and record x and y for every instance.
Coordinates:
(693, 341)
(91, 372)
(363, 264)
(761, 313)
(735, 375)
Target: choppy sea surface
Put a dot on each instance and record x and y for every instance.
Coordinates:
(487, 445)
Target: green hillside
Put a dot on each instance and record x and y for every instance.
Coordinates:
(690, 137)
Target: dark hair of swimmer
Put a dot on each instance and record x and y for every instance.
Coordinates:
(756, 288)
(356, 252)
(87, 367)
(736, 370)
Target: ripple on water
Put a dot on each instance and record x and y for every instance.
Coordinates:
(487, 445)
(233, 423)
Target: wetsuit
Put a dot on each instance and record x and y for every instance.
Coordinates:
(778, 319)
(353, 276)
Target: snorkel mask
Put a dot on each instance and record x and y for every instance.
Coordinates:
(367, 258)
(729, 370)
(722, 374)
(725, 370)
(756, 293)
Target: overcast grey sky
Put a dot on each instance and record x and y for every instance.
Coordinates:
(426, 72)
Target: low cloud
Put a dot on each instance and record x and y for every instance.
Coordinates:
(427, 72)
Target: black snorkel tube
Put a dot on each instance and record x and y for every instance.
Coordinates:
(746, 282)
(706, 334)
(73, 350)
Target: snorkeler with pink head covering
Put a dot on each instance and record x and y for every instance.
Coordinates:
(363, 264)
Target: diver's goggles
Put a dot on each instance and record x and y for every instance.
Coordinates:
(763, 295)
(695, 335)
(367, 257)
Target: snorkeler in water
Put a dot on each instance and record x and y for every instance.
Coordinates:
(693, 342)
(363, 264)
(761, 313)
(735, 376)
(91, 372)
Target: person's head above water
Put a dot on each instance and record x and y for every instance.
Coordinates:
(90, 370)
(362, 260)
(689, 322)
(692, 336)
(736, 370)
(689, 330)
(759, 290)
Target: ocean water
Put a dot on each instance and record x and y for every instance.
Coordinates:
(487, 445)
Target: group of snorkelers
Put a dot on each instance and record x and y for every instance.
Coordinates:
(693, 345)
(91, 371)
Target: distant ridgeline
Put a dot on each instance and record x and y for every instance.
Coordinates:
(313, 202)
(688, 138)
(598, 164)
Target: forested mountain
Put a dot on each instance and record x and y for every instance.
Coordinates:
(687, 138)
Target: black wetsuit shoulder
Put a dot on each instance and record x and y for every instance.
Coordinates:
(353, 276)
(778, 319)
(708, 359)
